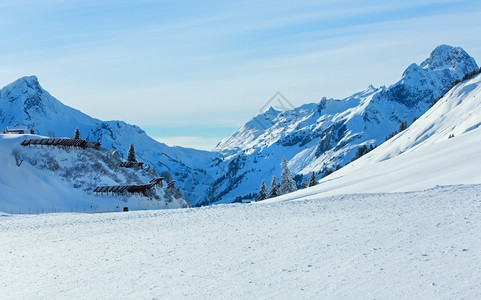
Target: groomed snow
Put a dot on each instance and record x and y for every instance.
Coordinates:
(405, 245)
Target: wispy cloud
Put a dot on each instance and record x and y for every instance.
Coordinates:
(215, 63)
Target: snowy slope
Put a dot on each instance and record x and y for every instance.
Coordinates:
(324, 135)
(420, 157)
(51, 179)
(25, 103)
(423, 245)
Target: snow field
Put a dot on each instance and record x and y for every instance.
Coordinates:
(421, 245)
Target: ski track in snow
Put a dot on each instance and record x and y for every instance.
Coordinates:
(403, 245)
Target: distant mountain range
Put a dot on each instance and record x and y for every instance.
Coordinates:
(316, 137)
(441, 148)
(327, 134)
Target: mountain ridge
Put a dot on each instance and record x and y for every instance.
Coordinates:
(326, 136)
(313, 137)
(440, 148)
(24, 102)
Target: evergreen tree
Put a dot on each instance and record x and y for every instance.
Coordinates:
(32, 131)
(273, 189)
(131, 156)
(167, 176)
(304, 183)
(262, 192)
(327, 172)
(403, 126)
(76, 135)
(287, 185)
(360, 152)
(313, 179)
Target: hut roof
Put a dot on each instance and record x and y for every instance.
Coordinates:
(17, 129)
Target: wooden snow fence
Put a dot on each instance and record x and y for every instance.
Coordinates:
(131, 189)
(62, 142)
(171, 184)
(131, 164)
(157, 181)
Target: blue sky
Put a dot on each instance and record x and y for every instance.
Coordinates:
(192, 72)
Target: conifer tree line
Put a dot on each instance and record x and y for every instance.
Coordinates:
(286, 185)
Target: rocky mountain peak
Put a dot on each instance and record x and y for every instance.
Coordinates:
(23, 85)
(451, 58)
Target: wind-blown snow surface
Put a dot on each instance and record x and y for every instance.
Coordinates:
(422, 245)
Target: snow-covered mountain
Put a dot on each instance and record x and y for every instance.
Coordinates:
(442, 147)
(366, 229)
(313, 137)
(39, 179)
(327, 135)
(25, 103)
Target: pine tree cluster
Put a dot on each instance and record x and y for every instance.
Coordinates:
(287, 184)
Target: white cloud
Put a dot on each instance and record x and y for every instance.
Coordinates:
(200, 65)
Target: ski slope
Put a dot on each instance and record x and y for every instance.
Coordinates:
(423, 245)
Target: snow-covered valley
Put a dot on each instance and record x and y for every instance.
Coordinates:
(400, 221)
(401, 245)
